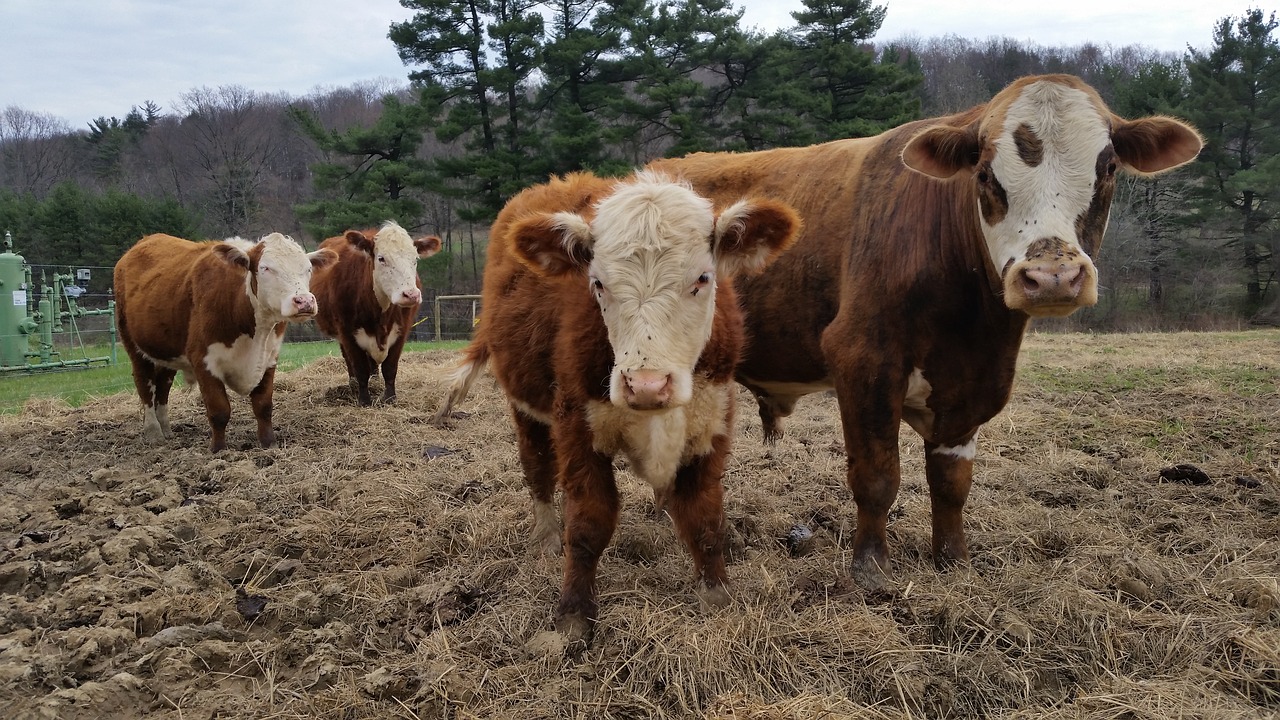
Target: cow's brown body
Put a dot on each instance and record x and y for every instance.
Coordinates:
(371, 330)
(544, 337)
(186, 306)
(892, 298)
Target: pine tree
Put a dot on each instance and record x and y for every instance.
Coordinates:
(1235, 102)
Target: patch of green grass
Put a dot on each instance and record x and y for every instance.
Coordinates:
(76, 386)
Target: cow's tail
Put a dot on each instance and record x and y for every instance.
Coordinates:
(463, 375)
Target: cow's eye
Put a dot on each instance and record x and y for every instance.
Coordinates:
(703, 280)
(596, 285)
(984, 177)
(1111, 169)
(382, 259)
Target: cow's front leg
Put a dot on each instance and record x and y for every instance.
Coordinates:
(164, 383)
(538, 458)
(949, 470)
(390, 366)
(870, 421)
(261, 400)
(217, 407)
(591, 506)
(696, 506)
(361, 366)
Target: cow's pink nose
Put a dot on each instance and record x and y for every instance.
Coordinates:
(305, 304)
(1052, 281)
(412, 296)
(648, 389)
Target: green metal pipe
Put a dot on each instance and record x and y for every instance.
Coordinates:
(54, 365)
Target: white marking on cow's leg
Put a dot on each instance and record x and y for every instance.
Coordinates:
(162, 416)
(546, 529)
(152, 431)
(966, 451)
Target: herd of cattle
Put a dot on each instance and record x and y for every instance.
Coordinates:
(617, 313)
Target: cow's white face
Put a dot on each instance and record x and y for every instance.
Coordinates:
(395, 258)
(653, 253)
(1042, 160)
(1051, 159)
(279, 277)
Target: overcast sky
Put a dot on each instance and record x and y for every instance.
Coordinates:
(82, 59)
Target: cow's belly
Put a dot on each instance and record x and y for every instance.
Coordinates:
(786, 389)
(658, 443)
(369, 343)
(241, 365)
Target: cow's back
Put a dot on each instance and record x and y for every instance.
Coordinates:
(153, 290)
(853, 197)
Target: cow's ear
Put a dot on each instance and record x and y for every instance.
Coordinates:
(942, 150)
(231, 255)
(750, 233)
(552, 244)
(324, 257)
(1154, 144)
(360, 241)
(428, 246)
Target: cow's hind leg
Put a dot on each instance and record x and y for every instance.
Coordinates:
(696, 505)
(163, 383)
(591, 505)
(949, 470)
(773, 408)
(261, 398)
(144, 380)
(538, 458)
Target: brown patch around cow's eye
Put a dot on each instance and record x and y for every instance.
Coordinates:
(1092, 223)
(991, 197)
(1030, 147)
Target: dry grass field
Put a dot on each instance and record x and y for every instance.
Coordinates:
(376, 566)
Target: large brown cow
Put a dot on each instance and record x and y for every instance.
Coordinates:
(369, 300)
(609, 321)
(215, 311)
(926, 251)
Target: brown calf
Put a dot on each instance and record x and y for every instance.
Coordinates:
(215, 311)
(369, 300)
(610, 321)
(926, 251)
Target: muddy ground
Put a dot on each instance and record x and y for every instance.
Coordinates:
(375, 566)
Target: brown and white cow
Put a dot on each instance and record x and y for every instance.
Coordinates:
(213, 310)
(369, 300)
(926, 251)
(610, 322)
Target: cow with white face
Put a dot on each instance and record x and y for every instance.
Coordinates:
(370, 299)
(610, 321)
(925, 253)
(213, 310)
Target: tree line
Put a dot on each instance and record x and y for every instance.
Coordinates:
(500, 94)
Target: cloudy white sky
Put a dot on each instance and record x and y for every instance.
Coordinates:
(82, 59)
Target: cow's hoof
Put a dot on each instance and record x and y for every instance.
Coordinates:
(870, 575)
(574, 629)
(712, 598)
(153, 434)
(388, 400)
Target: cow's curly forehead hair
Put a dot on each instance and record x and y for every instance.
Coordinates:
(650, 211)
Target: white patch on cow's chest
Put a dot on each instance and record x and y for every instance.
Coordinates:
(241, 365)
(658, 443)
(369, 343)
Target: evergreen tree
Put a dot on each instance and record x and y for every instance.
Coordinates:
(855, 93)
(475, 60)
(1235, 102)
(377, 173)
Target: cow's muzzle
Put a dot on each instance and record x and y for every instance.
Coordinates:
(1054, 280)
(647, 389)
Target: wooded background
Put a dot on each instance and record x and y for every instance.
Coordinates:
(500, 94)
